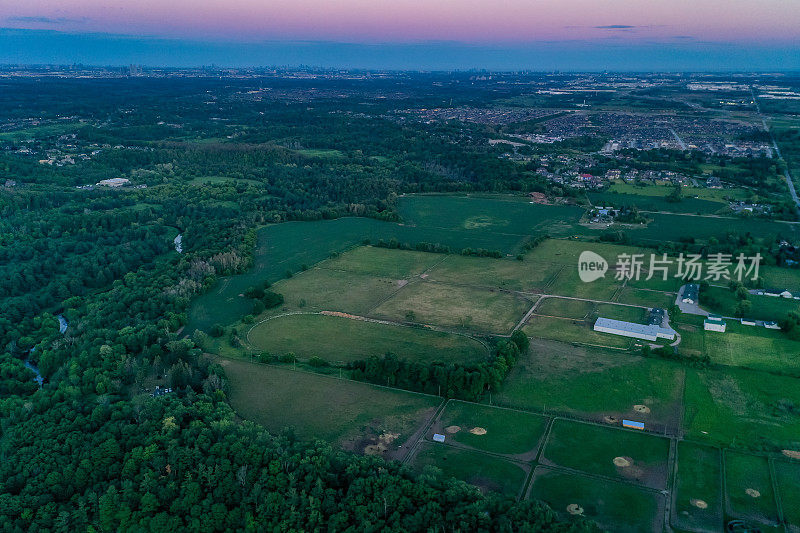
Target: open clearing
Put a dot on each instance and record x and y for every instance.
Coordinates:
(698, 491)
(510, 274)
(593, 383)
(344, 412)
(615, 506)
(598, 450)
(492, 429)
(384, 263)
(342, 339)
(569, 330)
(788, 480)
(741, 406)
(750, 494)
(466, 308)
(487, 472)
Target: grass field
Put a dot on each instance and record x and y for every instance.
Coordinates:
(339, 411)
(560, 307)
(742, 407)
(763, 307)
(698, 497)
(500, 215)
(614, 506)
(341, 339)
(749, 488)
(788, 481)
(486, 472)
(593, 383)
(621, 312)
(753, 347)
(507, 431)
(385, 263)
(569, 330)
(597, 449)
(321, 289)
(450, 305)
(510, 274)
(645, 298)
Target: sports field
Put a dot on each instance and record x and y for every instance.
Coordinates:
(347, 413)
(741, 406)
(342, 339)
(594, 384)
(492, 429)
(486, 472)
(610, 452)
(613, 505)
(749, 488)
(698, 489)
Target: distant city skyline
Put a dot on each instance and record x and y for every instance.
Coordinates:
(515, 34)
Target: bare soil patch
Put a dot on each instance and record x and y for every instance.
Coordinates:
(700, 504)
(623, 462)
(478, 431)
(574, 509)
(794, 454)
(381, 444)
(640, 408)
(753, 493)
(452, 429)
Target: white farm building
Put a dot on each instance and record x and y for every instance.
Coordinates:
(648, 332)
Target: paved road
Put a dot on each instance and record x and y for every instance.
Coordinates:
(786, 174)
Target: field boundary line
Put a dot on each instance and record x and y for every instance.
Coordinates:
(774, 481)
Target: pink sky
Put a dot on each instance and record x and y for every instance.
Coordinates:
(479, 21)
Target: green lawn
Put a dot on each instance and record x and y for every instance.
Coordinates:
(645, 298)
(750, 494)
(465, 308)
(507, 431)
(384, 263)
(621, 312)
(341, 339)
(510, 274)
(762, 307)
(339, 411)
(560, 307)
(698, 498)
(742, 407)
(320, 289)
(614, 506)
(486, 472)
(593, 449)
(753, 347)
(568, 330)
(788, 481)
(593, 383)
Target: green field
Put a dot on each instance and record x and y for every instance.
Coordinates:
(342, 339)
(380, 262)
(507, 431)
(569, 330)
(593, 383)
(510, 274)
(753, 347)
(743, 407)
(486, 472)
(763, 307)
(788, 480)
(344, 412)
(749, 488)
(621, 312)
(497, 215)
(614, 506)
(593, 449)
(321, 289)
(698, 496)
(465, 308)
(565, 308)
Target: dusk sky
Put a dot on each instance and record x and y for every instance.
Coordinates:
(531, 34)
